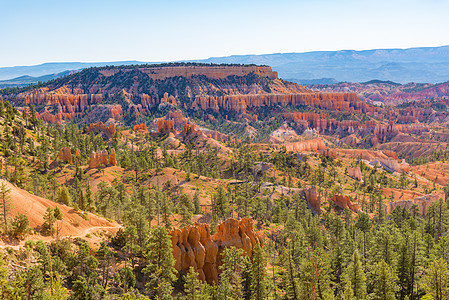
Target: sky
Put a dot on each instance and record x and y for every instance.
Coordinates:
(34, 32)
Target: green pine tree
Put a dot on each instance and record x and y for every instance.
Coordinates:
(194, 288)
(5, 204)
(436, 280)
(355, 276)
(197, 203)
(230, 286)
(160, 262)
(384, 282)
(259, 274)
(185, 210)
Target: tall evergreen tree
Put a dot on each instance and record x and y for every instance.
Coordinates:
(193, 287)
(185, 210)
(196, 203)
(5, 204)
(160, 262)
(220, 204)
(230, 286)
(355, 276)
(259, 274)
(436, 280)
(384, 282)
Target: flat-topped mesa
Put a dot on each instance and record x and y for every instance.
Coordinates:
(102, 158)
(194, 246)
(213, 72)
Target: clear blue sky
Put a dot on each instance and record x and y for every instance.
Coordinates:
(37, 31)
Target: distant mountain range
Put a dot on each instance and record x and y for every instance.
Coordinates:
(426, 64)
(7, 73)
(26, 79)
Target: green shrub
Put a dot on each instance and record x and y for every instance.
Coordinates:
(19, 226)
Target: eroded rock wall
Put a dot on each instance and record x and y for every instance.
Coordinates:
(309, 145)
(239, 103)
(102, 158)
(108, 130)
(66, 155)
(423, 202)
(343, 201)
(194, 246)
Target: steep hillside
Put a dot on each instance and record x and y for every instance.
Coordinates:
(34, 207)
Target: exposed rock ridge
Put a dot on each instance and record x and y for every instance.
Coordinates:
(423, 202)
(343, 201)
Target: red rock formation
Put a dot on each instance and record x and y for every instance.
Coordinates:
(380, 133)
(109, 131)
(112, 158)
(355, 173)
(140, 127)
(239, 103)
(390, 153)
(423, 202)
(216, 135)
(102, 158)
(392, 93)
(70, 103)
(343, 201)
(66, 155)
(165, 126)
(193, 246)
(188, 129)
(350, 140)
(328, 152)
(309, 145)
(311, 195)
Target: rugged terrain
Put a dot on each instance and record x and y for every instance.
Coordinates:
(205, 165)
(389, 93)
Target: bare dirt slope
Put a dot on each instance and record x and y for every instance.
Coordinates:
(34, 208)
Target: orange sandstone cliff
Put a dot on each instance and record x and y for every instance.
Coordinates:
(102, 158)
(194, 246)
